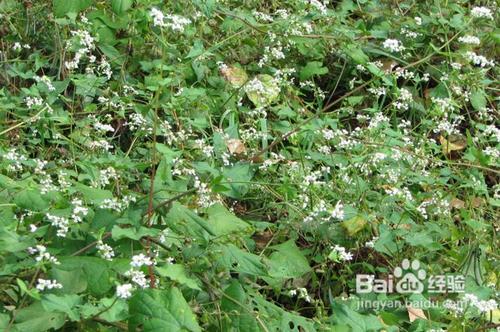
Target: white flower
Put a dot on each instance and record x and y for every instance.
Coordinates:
(43, 255)
(101, 144)
(112, 204)
(480, 12)
(472, 40)
(174, 22)
(481, 305)
(44, 79)
(393, 45)
(371, 243)
(320, 6)
(138, 277)
(177, 22)
(418, 20)
(33, 101)
(158, 17)
(479, 60)
(343, 254)
(140, 260)
(105, 175)
(106, 251)
(15, 159)
(79, 211)
(43, 284)
(338, 211)
(17, 47)
(124, 291)
(61, 223)
(138, 122)
(102, 127)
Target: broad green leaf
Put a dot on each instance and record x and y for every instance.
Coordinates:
(6, 182)
(354, 225)
(62, 7)
(241, 174)
(277, 319)
(64, 303)
(121, 6)
(31, 200)
(241, 318)
(478, 100)
(224, 222)
(288, 261)
(241, 261)
(117, 312)
(177, 273)
(35, 318)
(112, 54)
(93, 195)
(311, 69)
(12, 242)
(184, 221)
(357, 54)
(196, 50)
(119, 233)
(342, 314)
(94, 272)
(157, 310)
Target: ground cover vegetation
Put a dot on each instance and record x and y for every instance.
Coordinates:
(211, 165)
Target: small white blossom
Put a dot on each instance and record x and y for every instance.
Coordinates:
(43, 284)
(472, 40)
(105, 250)
(138, 277)
(124, 291)
(479, 60)
(482, 12)
(393, 45)
(140, 260)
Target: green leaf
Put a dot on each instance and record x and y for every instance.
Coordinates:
(93, 195)
(6, 182)
(12, 242)
(354, 225)
(342, 314)
(65, 304)
(242, 173)
(117, 312)
(31, 200)
(241, 261)
(93, 272)
(288, 261)
(119, 233)
(357, 54)
(159, 310)
(196, 50)
(223, 222)
(62, 7)
(231, 303)
(35, 318)
(112, 54)
(185, 221)
(177, 273)
(478, 100)
(311, 69)
(121, 6)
